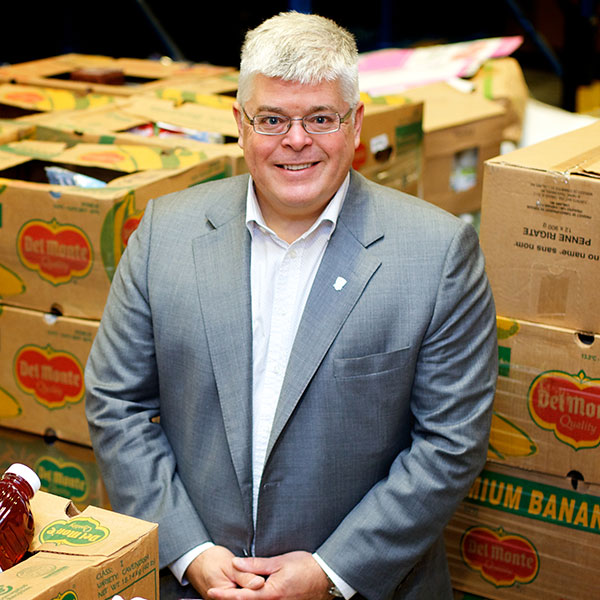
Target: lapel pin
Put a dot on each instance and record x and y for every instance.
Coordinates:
(340, 282)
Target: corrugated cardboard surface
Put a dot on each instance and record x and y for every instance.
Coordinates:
(455, 122)
(91, 555)
(521, 534)
(547, 403)
(42, 359)
(540, 230)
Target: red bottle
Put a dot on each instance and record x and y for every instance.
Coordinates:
(17, 486)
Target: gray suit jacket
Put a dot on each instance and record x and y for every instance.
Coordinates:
(385, 409)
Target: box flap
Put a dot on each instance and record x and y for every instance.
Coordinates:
(61, 529)
(575, 152)
(445, 106)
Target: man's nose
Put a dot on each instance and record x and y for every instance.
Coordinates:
(297, 137)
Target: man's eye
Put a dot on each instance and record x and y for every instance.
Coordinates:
(270, 120)
(323, 119)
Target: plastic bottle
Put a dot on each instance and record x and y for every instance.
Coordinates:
(17, 486)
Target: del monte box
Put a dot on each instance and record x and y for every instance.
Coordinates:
(525, 535)
(67, 213)
(547, 402)
(88, 555)
(42, 359)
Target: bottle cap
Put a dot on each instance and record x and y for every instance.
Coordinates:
(29, 475)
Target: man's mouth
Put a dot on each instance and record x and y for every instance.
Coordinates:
(298, 167)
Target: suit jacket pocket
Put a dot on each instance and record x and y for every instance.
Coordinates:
(371, 365)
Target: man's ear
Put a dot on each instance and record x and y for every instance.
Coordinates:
(239, 117)
(358, 121)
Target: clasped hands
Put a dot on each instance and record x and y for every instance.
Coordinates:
(219, 575)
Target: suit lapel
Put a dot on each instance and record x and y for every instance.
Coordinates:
(345, 270)
(222, 262)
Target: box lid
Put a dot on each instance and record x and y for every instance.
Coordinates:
(60, 528)
(576, 152)
(445, 106)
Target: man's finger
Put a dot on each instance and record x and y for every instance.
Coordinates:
(252, 564)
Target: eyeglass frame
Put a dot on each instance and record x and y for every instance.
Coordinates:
(342, 120)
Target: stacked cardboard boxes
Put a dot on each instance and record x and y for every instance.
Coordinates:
(527, 528)
(59, 248)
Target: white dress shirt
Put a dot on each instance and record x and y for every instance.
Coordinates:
(281, 277)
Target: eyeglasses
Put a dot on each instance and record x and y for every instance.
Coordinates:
(316, 123)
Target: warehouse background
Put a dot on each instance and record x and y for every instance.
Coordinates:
(559, 53)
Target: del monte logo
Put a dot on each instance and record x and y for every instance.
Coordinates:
(53, 377)
(568, 405)
(57, 252)
(79, 531)
(501, 558)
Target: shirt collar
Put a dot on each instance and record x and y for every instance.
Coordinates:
(330, 213)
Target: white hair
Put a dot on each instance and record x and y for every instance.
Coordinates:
(303, 48)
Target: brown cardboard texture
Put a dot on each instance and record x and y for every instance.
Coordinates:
(207, 127)
(525, 535)
(391, 143)
(540, 230)
(65, 469)
(547, 402)
(502, 80)
(136, 75)
(42, 359)
(462, 131)
(88, 555)
(60, 244)
(11, 131)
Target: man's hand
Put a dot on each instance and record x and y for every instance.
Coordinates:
(291, 576)
(214, 569)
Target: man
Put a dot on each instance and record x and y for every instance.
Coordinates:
(320, 351)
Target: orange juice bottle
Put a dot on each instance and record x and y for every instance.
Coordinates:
(17, 486)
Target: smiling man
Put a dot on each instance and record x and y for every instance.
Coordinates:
(321, 352)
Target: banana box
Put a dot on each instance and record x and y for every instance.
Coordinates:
(17, 100)
(65, 469)
(61, 241)
(11, 130)
(92, 554)
(42, 362)
(205, 125)
(525, 535)
(547, 402)
(87, 73)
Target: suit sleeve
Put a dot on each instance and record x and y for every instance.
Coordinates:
(122, 406)
(381, 540)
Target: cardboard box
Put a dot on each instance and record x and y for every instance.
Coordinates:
(194, 90)
(502, 80)
(540, 230)
(205, 126)
(462, 131)
(42, 360)
(138, 75)
(88, 555)
(11, 131)
(65, 469)
(391, 143)
(547, 402)
(521, 534)
(60, 244)
(17, 101)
